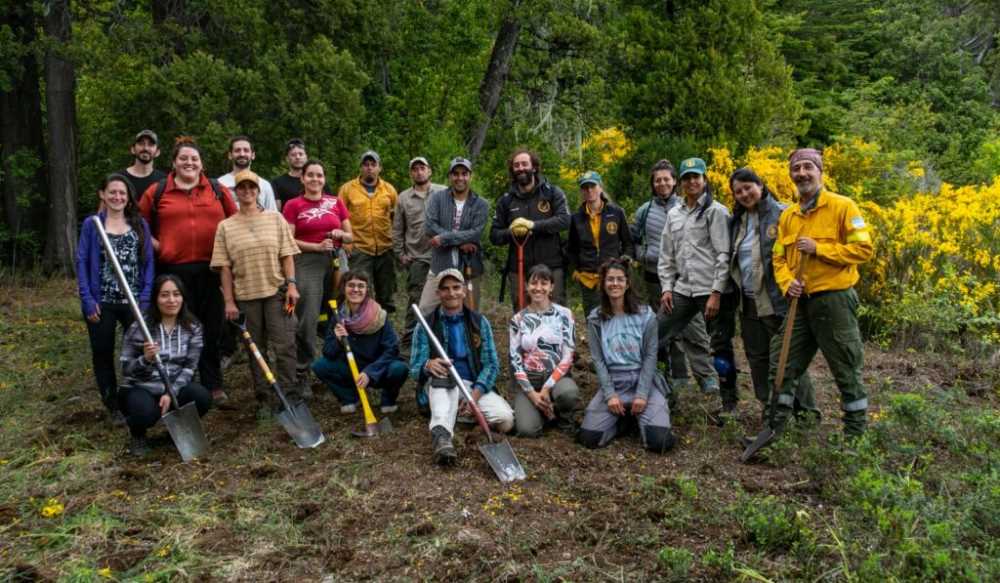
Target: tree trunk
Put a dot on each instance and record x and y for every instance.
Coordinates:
(495, 78)
(60, 102)
(22, 155)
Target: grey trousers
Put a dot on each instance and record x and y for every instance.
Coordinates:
(416, 277)
(313, 271)
(693, 341)
(600, 425)
(528, 420)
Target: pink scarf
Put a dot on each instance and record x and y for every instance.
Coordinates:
(369, 318)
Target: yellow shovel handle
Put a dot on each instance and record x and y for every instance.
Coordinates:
(362, 394)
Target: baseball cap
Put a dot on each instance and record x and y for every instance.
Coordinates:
(420, 159)
(450, 272)
(147, 134)
(459, 161)
(371, 154)
(693, 166)
(245, 176)
(590, 177)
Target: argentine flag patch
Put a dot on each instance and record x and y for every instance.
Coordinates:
(858, 223)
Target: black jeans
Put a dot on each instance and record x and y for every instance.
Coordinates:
(203, 296)
(142, 408)
(103, 340)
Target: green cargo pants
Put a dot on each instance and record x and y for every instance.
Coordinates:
(757, 333)
(381, 269)
(827, 321)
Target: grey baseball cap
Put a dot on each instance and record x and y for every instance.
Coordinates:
(450, 272)
(420, 159)
(147, 134)
(459, 161)
(371, 154)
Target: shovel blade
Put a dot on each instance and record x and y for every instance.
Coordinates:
(184, 426)
(503, 460)
(763, 439)
(300, 425)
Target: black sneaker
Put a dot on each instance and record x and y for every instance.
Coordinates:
(444, 451)
(138, 447)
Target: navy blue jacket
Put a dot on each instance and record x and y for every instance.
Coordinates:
(373, 352)
(89, 257)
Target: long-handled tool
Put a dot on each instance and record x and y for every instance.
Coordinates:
(183, 423)
(520, 242)
(295, 418)
(767, 434)
(500, 455)
(470, 297)
(372, 426)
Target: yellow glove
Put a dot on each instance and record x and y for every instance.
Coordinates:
(518, 230)
(520, 223)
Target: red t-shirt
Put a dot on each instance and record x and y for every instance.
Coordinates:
(187, 219)
(314, 219)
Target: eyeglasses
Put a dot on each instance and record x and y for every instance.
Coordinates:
(357, 285)
(616, 279)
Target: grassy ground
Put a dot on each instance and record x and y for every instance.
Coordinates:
(917, 499)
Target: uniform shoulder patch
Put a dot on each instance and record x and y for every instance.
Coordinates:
(858, 223)
(612, 227)
(772, 232)
(544, 206)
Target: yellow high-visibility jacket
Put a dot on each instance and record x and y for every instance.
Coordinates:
(842, 243)
(371, 216)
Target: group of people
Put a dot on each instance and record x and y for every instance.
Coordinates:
(272, 253)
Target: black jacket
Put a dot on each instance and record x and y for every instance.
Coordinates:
(615, 239)
(546, 207)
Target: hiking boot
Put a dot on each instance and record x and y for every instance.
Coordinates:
(444, 451)
(138, 447)
(710, 386)
(349, 408)
(219, 397)
(117, 419)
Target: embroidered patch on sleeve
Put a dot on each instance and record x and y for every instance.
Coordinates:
(858, 223)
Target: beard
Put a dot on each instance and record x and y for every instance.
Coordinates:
(144, 157)
(241, 162)
(524, 177)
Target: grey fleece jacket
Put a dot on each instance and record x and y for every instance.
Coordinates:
(695, 249)
(615, 341)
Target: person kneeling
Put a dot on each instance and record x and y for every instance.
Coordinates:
(541, 354)
(467, 339)
(622, 334)
(373, 341)
(145, 398)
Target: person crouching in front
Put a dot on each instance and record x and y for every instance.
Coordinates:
(467, 339)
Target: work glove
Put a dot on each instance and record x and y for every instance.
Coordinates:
(520, 227)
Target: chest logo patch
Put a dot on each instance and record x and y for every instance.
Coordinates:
(612, 228)
(772, 232)
(544, 207)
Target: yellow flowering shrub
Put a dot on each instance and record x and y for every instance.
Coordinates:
(599, 152)
(936, 267)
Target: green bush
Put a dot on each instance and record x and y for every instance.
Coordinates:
(676, 562)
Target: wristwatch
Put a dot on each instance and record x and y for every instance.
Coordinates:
(291, 280)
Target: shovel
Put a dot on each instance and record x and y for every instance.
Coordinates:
(520, 243)
(767, 435)
(372, 426)
(296, 419)
(500, 455)
(183, 423)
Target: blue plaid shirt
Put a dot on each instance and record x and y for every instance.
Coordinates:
(489, 365)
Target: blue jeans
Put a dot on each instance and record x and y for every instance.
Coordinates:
(337, 376)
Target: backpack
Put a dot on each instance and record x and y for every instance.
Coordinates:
(154, 215)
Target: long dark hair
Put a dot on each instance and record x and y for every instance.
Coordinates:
(660, 166)
(746, 174)
(632, 304)
(153, 315)
(305, 167)
(132, 216)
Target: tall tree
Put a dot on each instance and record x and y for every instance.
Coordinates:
(22, 151)
(496, 76)
(60, 104)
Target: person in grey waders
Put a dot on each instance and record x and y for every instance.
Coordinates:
(622, 335)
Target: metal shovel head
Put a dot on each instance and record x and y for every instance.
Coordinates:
(764, 438)
(503, 460)
(185, 429)
(374, 429)
(299, 423)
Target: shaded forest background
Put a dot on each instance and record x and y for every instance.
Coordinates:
(918, 81)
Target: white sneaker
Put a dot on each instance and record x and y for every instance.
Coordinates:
(710, 386)
(348, 409)
(390, 408)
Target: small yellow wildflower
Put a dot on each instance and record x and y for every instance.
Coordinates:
(105, 572)
(52, 508)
